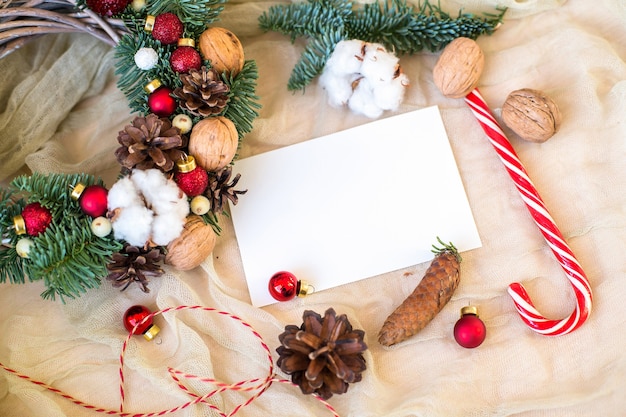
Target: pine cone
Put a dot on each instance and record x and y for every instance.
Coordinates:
(134, 264)
(323, 355)
(220, 190)
(150, 142)
(202, 93)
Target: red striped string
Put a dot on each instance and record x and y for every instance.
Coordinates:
(256, 385)
(548, 228)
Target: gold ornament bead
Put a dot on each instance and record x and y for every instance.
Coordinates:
(152, 86)
(304, 289)
(77, 190)
(149, 26)
(186, 42)
(19, 225)
(469, 310)
(187, 164)
(151, 333)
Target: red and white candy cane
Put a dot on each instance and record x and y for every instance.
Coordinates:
(547, 226)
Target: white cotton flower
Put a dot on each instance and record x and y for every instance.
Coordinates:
(390, 95)
(379, 65)
(166, 228)
(122, 194)
(338, 88)
(346, 57)
(133, 224)
(362, 100)
(146, 58)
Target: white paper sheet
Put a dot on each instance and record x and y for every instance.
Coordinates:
(351, 205)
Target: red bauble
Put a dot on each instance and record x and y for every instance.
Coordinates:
(36, 218)
(191, 178)
(185, 58)
(161, 102)
(167, 28)
(135, 315)
(93, 200)
(284, 286)
(107, 8)
(469, 330)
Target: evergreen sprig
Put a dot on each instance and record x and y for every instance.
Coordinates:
(400, 27)
(66, 256)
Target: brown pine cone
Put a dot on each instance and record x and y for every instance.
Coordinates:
(219, 189)
(323, 355)
(202, 93)
(134, 264)
(150, 142)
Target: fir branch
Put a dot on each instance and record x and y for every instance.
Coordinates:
(242, 98)
(400, 27)
(69, 258)
(11, 268)
(195, 15)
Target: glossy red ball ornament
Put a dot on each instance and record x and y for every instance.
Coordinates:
(191, 178)
(284, 286)
(469, 330)
(92, 199)
(135, 315)
(161, 102)
(185, 58)
(34, 220)
(167, 28)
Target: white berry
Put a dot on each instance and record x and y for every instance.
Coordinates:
(101, 226)
(146, 58)
(23, 247)
(200, 205)
(138, 5)
(183, 123)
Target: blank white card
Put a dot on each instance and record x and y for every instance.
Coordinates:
(351, 205)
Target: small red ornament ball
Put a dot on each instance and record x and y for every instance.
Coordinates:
(36, 218)
(192, 183)
(185, 58)
(167, 28)
(135, 315)
(469, 330)
(161, 102)
(107, 8)
(284, 286)
(93, 200)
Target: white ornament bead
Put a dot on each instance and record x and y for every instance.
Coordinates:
(183, 123)
(146, 58)
(23, 247)
(101, 226)
(200, 205)
(138, 5)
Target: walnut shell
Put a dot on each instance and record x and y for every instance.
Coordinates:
(459, 67)
(223, 49)
(213, 142)
(531, 114)
(193, 246)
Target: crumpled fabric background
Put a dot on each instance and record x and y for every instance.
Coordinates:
(60, 111)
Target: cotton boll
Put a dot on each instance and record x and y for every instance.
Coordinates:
(362, 100)
(346, 57)
(389, 96)
(123, 194)
(133, 224)
(338, 87)
(166, 227)
(149, 183)
(379, 65)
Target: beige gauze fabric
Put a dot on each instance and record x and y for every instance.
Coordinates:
(60, 111)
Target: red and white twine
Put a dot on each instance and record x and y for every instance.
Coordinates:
(564, 255)
(256, 385)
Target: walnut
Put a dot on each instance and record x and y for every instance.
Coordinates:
(459, 67)
(223, 49)
(213, 142)
(531, 114)
(193, 246)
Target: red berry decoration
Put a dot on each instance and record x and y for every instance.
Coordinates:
(167, 28)
(107, 8)
(34, 220)
(135, 315)
(284, 286)
(185, 58)
(191, 178)
(92, 199)
(469, 330)
(161, 102)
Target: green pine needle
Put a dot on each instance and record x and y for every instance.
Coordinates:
(400, 27)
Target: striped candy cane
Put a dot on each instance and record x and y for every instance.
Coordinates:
(547, 226)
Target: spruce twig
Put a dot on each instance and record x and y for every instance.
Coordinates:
(400, 27)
